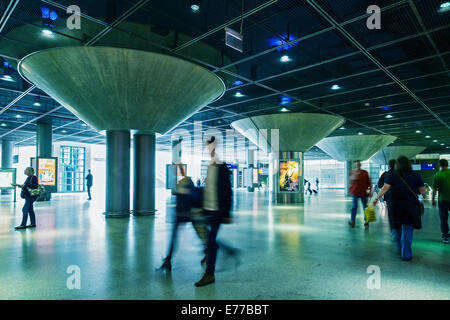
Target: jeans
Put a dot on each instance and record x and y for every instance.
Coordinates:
(89, 191)
(28, 209)
(355, 206)
(403, 237)
(444, 208)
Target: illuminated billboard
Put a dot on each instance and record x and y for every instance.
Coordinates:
(47, 171)
(289, 176)
(255, 176)
(174, 175)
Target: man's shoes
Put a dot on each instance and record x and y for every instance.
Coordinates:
(445, 240)
(207, 278)
(31, 226)
(20, 227)
(351, 224)
(167, 265)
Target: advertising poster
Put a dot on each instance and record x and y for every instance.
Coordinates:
(179, 174)
(289, 176)
(47, 171)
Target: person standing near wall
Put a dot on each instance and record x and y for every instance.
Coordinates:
(360, 188)
(30, 183)
(441, 185)
(89, 180)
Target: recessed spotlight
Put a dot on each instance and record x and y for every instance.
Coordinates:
(195, 6)
(442, 144)
(342, 128)
(435, 141)
(285, 58)
(360, 133)
(7, 78)
(389, 116)
(418, 131)
(47, 32)
(37, 104)
(63, 131)
(3, 124)
(84, 125)
(335, 87)
(18, 116)
(367, 104)
(444, 7)
(238, 94)
(428, 137)
(284, 110)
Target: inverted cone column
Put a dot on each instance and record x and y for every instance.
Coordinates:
(394, 152)
(120, 90)
(117, 174)
(287, 137)
(144, 175)
(352, 148)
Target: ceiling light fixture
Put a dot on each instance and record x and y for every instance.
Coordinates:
(238, 94)
(3, 124)
(18, 116)
(195, 6)
(64, 131)
(444, 7)
(284, 110)
(435, 141)
(342, 128)
(389, 116)
(335, 87)
(285, 58)
(360, 133)
(428, 137)
(418, 131)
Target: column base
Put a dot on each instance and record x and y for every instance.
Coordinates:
(143, 212)
(116, 214)
(290, 198)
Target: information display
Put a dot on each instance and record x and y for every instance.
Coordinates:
(289, 176)
(47, 171)
(7, 176)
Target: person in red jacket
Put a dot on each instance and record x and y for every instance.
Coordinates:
(360, 188)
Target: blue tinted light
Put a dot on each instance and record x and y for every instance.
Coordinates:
(238, 83)
(275, 42)
(285, 100)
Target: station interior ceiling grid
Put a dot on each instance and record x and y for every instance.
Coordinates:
(392, 81)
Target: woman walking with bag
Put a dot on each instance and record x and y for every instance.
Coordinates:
(30, 183)
(404, 185)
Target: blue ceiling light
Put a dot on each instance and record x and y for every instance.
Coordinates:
(285, 100)
(48, 20)
(283, 39)
(386, 108)
(238, 83)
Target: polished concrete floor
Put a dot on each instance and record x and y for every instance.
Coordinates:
(287, 252)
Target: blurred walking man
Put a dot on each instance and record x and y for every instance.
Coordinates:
(360, 188)
(217, 198)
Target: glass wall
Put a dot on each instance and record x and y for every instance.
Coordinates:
(329, 172)
(72, 166)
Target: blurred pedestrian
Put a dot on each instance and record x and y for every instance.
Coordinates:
(89, 179)
(217, 201)
(406, 209)
(187, 197)
(360, 188)
(28, 193)
(441, 185)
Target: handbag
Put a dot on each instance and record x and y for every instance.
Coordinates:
(422, 208)
(37, 191)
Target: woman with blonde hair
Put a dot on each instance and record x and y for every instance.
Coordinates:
(30, 183)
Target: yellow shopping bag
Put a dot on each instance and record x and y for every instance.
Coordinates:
(370, 214)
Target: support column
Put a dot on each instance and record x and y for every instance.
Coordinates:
(144, 175)
(117, 174)
(251, 164)
(44, 133)
(7, 150)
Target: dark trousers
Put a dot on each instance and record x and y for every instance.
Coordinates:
(89, 191)
(28, 209)
(212, 245)
(444, 208)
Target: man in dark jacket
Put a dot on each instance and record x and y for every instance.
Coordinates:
(387, 195)
(89, 179)
(217, 198)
